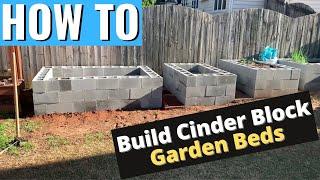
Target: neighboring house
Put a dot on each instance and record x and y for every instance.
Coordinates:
(314, 4)
(216, 6)
(161, 2)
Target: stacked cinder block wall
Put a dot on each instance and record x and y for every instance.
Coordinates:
(80, 89)
(310, 74)
(199, 84)
(263, 82)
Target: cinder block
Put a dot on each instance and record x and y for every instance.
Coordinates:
(46, 98)
(231, 90)
(139, 93)
(149, 103)
(40, 109)
(57, 72)
(52, 85)
(39, 86)
(289, 84)
(195, 91)
(113, 104)
(60, 108)
(85, 106)
(82, 93)
(108, 83)
(204, 101)
(67, 72)
(77, 72)
(216, 91)
(129, 83)
(282, 92)
(295, 74)
(90, 95)
(266, 74)
(83, 84)
(71, 96)
(65, 84)
(281, 74)
(262, 93)
(102, 94)
(156, 93)
(260, 84)
(221, 100)
(151, 82)
(207, 80)
(273, 84)
(93, 71)
(191, 101)
(119, 94)
(91, 106)
(224, 80)
(112, 71)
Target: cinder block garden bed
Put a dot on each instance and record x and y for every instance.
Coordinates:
(199, 84)
(310, 74)
(79, 89)
(262, 80)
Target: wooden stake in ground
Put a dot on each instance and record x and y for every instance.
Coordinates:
(16, 96)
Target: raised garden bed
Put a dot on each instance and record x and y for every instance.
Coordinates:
(263, 80)
(199, 84)
(310, 74)
(87, 88)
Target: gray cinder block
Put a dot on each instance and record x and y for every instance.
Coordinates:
(309, 76)
(108, 83)
(151, 82)
(65, 84)
(139, 93)
(71, 96)
(129, 83)
(60, 108)
(80, 84)
(40, 109)
(113, 104)
(79, 89)
(260, 82)
(119, 94)
(93, 71)
(216, 91)
(198, 84)
(46, 98)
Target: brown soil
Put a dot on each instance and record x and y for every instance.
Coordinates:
(258, 65)
(81, 123)
(75, 126)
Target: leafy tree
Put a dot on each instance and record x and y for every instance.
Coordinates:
(148, 3)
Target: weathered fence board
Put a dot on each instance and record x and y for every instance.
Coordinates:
(179, 34)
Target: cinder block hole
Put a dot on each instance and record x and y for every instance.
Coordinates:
(198, 69)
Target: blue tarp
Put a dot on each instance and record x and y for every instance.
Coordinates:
(269, 54)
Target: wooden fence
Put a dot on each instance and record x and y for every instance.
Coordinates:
(179, 34)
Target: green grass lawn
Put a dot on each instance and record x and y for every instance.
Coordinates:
(294, 162)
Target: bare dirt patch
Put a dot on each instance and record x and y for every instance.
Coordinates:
(63, 137)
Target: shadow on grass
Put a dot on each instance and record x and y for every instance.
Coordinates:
(317, 117)
(297, 162)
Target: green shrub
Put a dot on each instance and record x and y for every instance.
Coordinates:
(4, 138)
(299, 57)
(148, 3)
